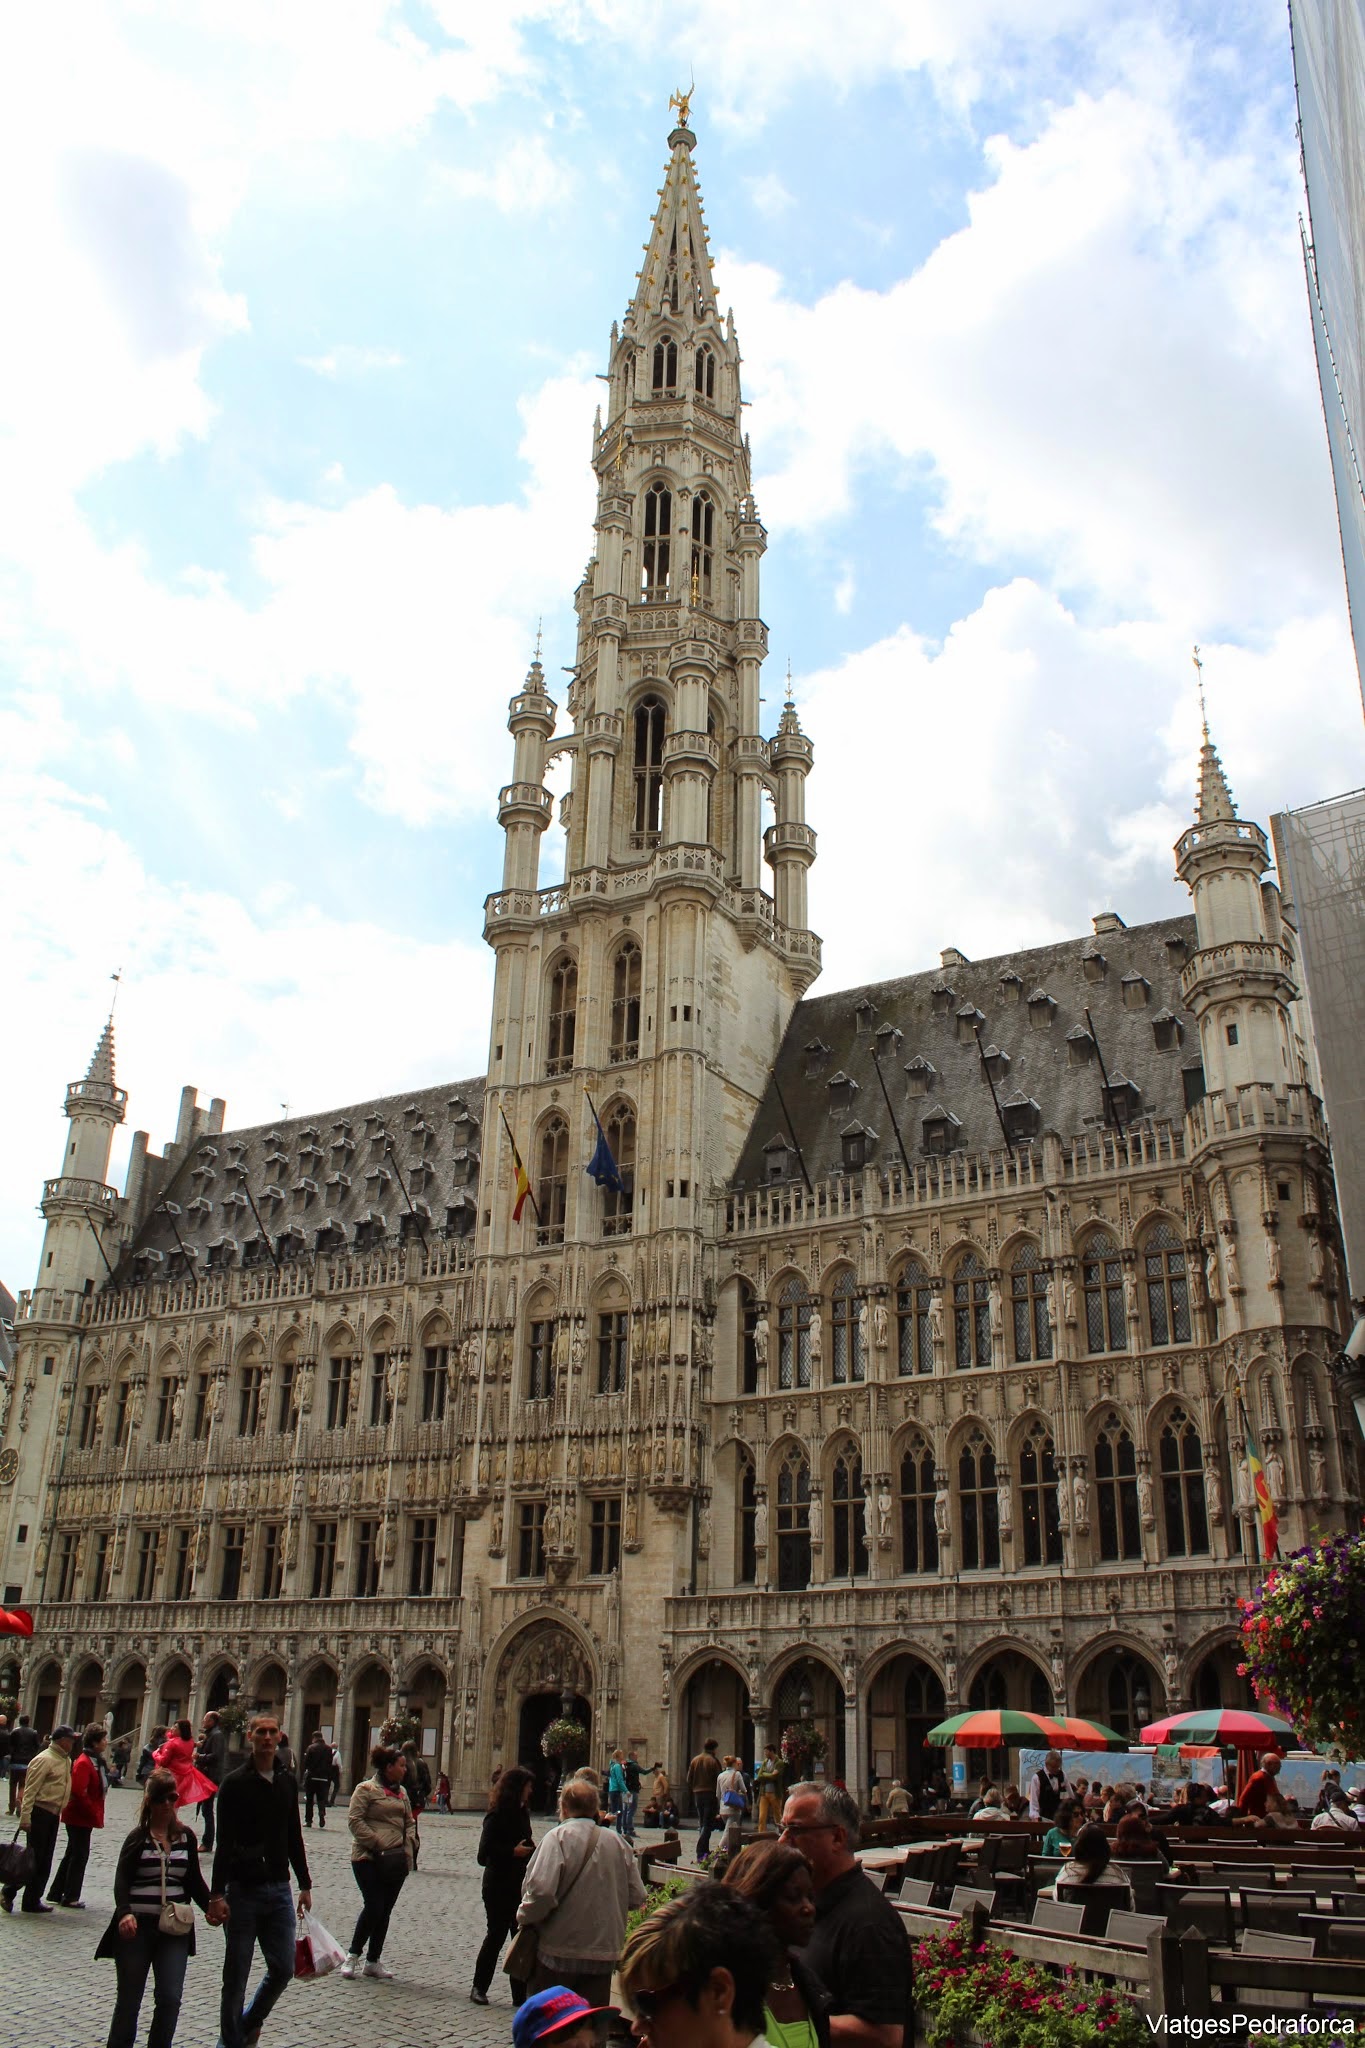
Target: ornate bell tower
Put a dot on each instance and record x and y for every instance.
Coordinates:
(661, 966)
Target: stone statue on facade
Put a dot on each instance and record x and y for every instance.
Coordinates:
(880, 1321)
(1004, 1508)
(943, 1509)
(1146, 1502)
(1317, 1474)
(817, 1341)
(1213, 1491)
(1233, 1264)
(936, 1325)
(1246, 1491)
(816, 1515)
(760, 1523)
(1063, 1504)
(761, 1338)
(1274, 1475)
(885, 1508)
(1080, 1503)
(1273, 1263)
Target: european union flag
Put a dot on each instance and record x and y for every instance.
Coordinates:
(602, 1166)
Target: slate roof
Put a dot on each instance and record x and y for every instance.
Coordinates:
(830, 1040)
(306, 1174)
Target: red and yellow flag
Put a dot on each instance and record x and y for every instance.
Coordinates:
(523, 1179)
(1265, 1506)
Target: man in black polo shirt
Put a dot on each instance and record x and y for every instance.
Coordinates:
(259, 1837)
(859, 1950)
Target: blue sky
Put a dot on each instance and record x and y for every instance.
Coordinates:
(296, 394)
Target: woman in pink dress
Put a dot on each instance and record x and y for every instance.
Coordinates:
(176, 1755)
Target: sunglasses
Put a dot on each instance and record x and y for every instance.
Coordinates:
(647, 2003)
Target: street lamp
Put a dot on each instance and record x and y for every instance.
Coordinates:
(805, 1698)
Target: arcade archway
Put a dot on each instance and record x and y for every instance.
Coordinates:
(905, 1700)
(543, 1672)
(716, 1704)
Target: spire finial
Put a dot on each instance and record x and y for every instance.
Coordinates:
(683, 102)
(1199, 672)
(790, 706)
(539, 623)
(117, 978)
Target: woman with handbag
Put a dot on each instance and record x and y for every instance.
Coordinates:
(380, 1820)
(506, 1846)
(157, 1885)
(580, 1885)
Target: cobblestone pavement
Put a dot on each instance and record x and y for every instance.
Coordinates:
(53, 1994)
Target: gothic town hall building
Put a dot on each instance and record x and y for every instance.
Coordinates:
(903, 1371)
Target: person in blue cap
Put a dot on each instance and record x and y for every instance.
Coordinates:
(561, 2016)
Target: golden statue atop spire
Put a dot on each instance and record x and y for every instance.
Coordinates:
(683, 102)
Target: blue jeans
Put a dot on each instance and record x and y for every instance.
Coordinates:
(625, 1820)
(261, 1913)
(166, 1956)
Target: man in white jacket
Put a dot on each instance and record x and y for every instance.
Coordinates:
(579, 1886)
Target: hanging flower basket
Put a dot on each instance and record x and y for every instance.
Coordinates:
(803, 1745)
(566, 1741)
(232, 1718)
(1303, 1631)
(399, 1729)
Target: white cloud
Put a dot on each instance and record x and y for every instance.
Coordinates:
(1105, 373)
(350, 359)
(997, 791)
(770, 195)
(526, 176)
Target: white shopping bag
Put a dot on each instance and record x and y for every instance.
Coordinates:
(315, 1952)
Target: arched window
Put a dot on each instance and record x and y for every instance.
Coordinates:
(649, 773)
(971, 1314)
(848, 1355)
(748, 1324)
(919, 1535)
(1106, 1325)
(705, 372)
(123, 1394)
(618, 1203)
(1038, 1515)
(1116, 1493)
(563, 1018)
(552, 1187)
(540, 1358)
(89, 1414)
(988, 1693)
(747, 1559)
(665, 378)
(1181, 1458)
(703, 542)
(914, 1347)
(1128, 1696)
(794, 1312)
(846, 1506)
(793, 1523)
(1028, 1300)
(1168, 1288)
(978, 1505)
(654, 561)
(625, 1003)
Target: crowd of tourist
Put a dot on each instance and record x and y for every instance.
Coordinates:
(785, 1943)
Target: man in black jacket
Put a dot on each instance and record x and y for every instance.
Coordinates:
(259, 1838)
(24, 1746)
(317, 1780)
(210, 1756)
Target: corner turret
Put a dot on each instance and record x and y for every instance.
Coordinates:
(79, 1206)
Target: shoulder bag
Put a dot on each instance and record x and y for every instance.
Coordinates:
(521, 1957)
(176, 1915)
(392, 1864)
(16, 1862)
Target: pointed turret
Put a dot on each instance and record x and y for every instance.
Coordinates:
(1214, 805)
(675, 277)
(101, 1066)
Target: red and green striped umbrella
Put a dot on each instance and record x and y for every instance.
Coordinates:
(997, 1728)
(1228, 1727)
(1081, 1734)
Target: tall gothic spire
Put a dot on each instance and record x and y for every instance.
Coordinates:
(675, 276)
(101, 1066)
(1214, 805)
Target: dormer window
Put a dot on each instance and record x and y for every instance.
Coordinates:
(1168, 1031)
(1177, 949)
(664, 381)
(460, 1217)
(1021, 1117)
(339, 1182)
(330, 1238)
(272, 1193)
(705, 373)
(942, 998)
(1136, 990)
(1094, 966)
(940, 1129)
(289, 1245)
(995, 1062)
(304, 1190)
(341, 1131)
(377, 1178)
(920, 1074)
(864, 1014)
(817, 1056)
(886, 1042)
(1122, 1101)
(856, 1142)
(275, 1139)
(308, 1135)
(968, 1018)
(776, 1160)
(1041, 1010)
(1193, 1082)
(1080, 1047)
(842, 1089)
(1011, 986)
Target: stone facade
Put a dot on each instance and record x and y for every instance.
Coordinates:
(897, 1361)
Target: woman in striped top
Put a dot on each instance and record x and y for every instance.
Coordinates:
(158, 1863)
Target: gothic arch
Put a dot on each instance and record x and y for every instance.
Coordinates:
(899, 1646)
(777, 1453)
(540, 1299)
(425, 1660)
(697, 1660)
(322, 1660)
(436, 1329)
(1152, 1219)
(1018, 1429)
(339, 1339)
(1014, 1244)
(794, 1654)
(544, 1650)
(250, 1350)
(962, 1428)
(999, 1646)
(611, 1291)
(365, 1660)
(130, 1661)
